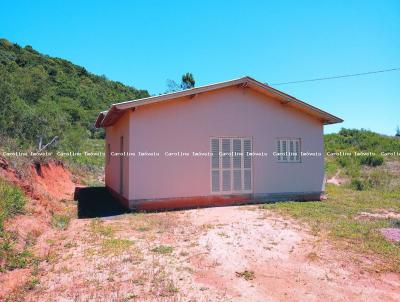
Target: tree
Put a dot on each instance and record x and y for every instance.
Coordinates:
(187, 82)
(398, 131)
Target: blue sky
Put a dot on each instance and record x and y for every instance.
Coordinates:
(145, 43)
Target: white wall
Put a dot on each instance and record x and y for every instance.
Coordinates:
(112, 169)
(187, 124)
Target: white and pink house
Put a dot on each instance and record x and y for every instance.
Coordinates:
(232, 142)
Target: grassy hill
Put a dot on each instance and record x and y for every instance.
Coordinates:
(43, 96)
(366, 158)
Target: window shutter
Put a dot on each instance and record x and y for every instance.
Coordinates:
(231, 172)
(278, 149)
(298, 150)
(237, 180)
(215, 153)
(226, 180)
(246, 157)
(247, 148)
(284, 157)
(237, 150)
(247, 180)
(291, 146)
(226, 158)
(291, 150)
(215, 187)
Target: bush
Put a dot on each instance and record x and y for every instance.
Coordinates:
(12, 201)
(371, 160)
(357, 184)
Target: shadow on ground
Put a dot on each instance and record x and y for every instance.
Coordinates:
(97, 202)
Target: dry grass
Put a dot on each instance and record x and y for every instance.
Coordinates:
(123, 259)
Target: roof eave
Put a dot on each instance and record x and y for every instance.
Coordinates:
(116, 110)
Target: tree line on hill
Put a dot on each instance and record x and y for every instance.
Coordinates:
(43, 97)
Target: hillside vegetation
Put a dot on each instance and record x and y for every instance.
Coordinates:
(366, 158)
(43, 96)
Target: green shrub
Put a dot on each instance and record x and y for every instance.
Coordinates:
(60, 221)
(31, 283)
(344, 161)
(371, 160)
(395, 223)
(357, 184)
(12, 201)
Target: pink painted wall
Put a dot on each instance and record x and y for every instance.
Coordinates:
(187, 124)
(112, 168)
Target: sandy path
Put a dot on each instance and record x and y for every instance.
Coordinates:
(288, 263)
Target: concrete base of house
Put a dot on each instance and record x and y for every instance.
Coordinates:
(212, 200)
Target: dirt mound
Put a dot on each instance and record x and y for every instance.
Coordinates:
(41, 181)
(53, 180)
(45, 185)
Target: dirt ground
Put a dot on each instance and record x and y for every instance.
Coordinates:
(240, 253)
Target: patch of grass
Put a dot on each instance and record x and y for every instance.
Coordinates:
(143, 229)
(60, 221)
(163, 249)
(246, 275)
(223, 234)
(10, 257)
(98, 227)
(12, 201)
(115, 245)
(337, 217)
(357, 184)
(31, 283)
(69, 245)
(171, 288)
(371, 160)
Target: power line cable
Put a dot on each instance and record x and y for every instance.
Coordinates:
(337, 77)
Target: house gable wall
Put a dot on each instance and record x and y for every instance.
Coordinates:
(186, 125)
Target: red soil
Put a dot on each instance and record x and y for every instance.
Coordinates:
(53, 180)
(45, 185)
(50, 181)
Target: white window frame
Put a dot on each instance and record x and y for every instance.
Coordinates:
(284, 144)
(232, 191)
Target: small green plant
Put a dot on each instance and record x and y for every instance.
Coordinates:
(171, 288)
(143, 229)
(246, 275)
(60, 221)
(395, 223)
(357, 184)
(98, 228)
(12, 259)
(223, 234)
(12, 201)
(162, 249)
(115, 245)
(31, 284)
